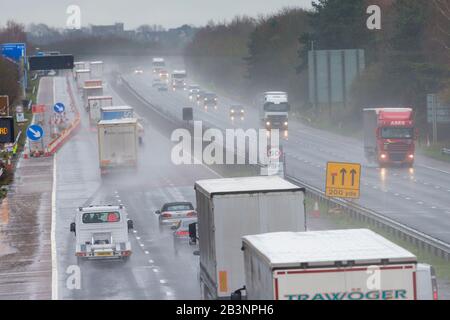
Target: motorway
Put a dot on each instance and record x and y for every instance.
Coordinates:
(157, 269)
(418, 198)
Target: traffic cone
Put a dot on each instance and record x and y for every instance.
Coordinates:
(316, 211)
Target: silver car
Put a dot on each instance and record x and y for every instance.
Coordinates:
(173, 212)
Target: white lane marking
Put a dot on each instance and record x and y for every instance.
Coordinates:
(433, 207)
(162, 281)
(155, 270)
(420, 202)
(439, 170)
(151, 261)
(396, 195)
(134, 231)
(53, 236)
(146, 252)
(138, 238)
(142, 245)
(408, 198)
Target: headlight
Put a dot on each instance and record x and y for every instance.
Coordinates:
(268, 123)
(286, 123)
(232, 111)
(215, 99)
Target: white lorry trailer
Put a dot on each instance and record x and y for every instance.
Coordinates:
(117, 145)
(81, 76)
(96, 69)
(91, 91)
(102, 232)
(94, 107)
(331, 265)
(231, 208)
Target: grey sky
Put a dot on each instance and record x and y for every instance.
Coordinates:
(169, 13)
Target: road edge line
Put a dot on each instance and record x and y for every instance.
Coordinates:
(53, 236)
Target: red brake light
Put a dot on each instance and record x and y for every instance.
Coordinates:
(182, 233)
(191, 214)
(435, 295)
(166, 215)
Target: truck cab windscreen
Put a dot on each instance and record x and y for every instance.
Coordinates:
(272, 107)
(397, 133)
(101, 217)
(159, 64)
(179, 76)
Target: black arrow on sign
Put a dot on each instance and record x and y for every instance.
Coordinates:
(343, 172)
(353, 173)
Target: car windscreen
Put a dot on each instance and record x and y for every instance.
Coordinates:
(397, 133)
(178, 207)
(178, 76)
(101, 217)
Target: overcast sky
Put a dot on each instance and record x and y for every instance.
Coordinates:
(169, 13)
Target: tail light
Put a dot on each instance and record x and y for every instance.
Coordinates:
(435, 295)
(191, 214)
(182, 233)
(126, 253)
(166, 215)
(80, 254)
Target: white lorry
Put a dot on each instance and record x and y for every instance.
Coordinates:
(91, 91)
(102, 232)
(94, 106)
(231, 208)
(274, 110)
(81, 76)
(179, 78)
(96, 69)
(333, 265)
(117, 145)
(158, 64)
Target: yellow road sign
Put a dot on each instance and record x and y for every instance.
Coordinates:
(343, 180)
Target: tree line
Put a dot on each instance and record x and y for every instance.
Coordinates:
(406, 59)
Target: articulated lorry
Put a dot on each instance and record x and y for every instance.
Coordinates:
(333, 265)
(102, 233)
(122, 112)
(274, 112)
(91, 88)
(229, 209)
(96, 69)
(389, 136)
(81, 76)
(179, 78)
(94, 106)
(158, 64)
(117, 145)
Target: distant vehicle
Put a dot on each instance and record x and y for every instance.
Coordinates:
(164, 76)
(179, 78)
(91, 90)
(274, 111)
(389, 136)
(237, 112)
(163, 87)
(102, 232)
(158, 64)
(199, 96)
(172, 212)
(118, 145)
(192, 91)
(52, 73)
(138, 71)
(229, 209)
(156, 82)
(332, 265)
(210, 100)
(94, 105)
